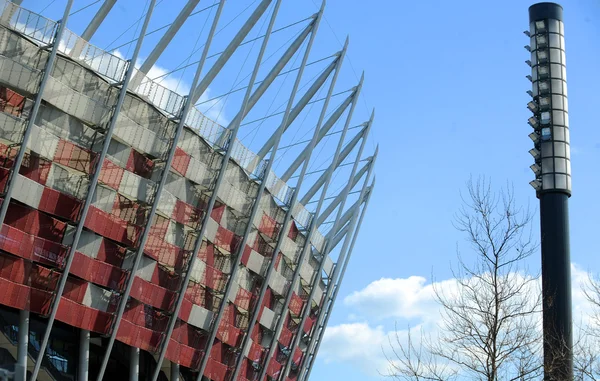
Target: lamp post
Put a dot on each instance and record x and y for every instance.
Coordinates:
(552, 168)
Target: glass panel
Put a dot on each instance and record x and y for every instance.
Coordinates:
(561, 28)
(566, 106)
(547, 149)
(566, 119)
(557, 86)
(542, 55)
(560, 165)
(532, 28)
(555, 69)
(559, 133)
(562, 42)
(569, 167)
(557, 101)
(534, 89)
(564, 73)
(561, 181)
(558, 117)
(544, 86)
(563, 59)
(567, 134)
(548, 181)
(534, 73)
(559, 149)
(554, 40)
(554, 57)
(553, 26)
(533, 57)
(547, 165)
(532, 43)
(540, 25)
(568, 151)
(569, 183)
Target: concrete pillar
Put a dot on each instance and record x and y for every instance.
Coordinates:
(134, 364)
(84, 355)
(22, 344)
(174, 372)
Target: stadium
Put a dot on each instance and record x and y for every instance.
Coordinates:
(142, 239)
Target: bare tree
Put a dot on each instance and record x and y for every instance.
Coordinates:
(490, 320)
(586, 349)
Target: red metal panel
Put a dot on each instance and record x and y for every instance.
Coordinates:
(214, 279)
(111, 227)
(35, 168)
(256, 335)
(207, 253)
(229, 334)
(128, 210)
(152, 294)
(215, 370)
(293, 233)
(273, 369)
(226, 240)
(34, 222)
(268, 226)
(111, 174)
(246, 255)
(217, 212)
(181, 161)
(75, 157)
(137, 336)
(286, 337)
(244, 299)
(59, 204)
(24, 297)
(308, 324)
(98, 272)
(297, 356)
(84, 317)
(11, 102)
(256, 352)
(296, 304)
(164, 252)
(166, 278)
(75, 289)
(139, 164)
(111, 253)
(186, 214)
(262, 246)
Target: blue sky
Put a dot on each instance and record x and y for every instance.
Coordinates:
(448, 83)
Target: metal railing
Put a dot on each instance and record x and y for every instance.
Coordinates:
(170, 102)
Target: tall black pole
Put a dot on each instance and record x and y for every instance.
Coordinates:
(553, 182)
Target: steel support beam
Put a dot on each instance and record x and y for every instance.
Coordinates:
(333, 118)
(288, 215)
(234, 130)
(98, 19)
(181, 123)
(22, 346)
(174, 372)
(326, 248)
(310, 93)
(230, 49)
(264, 85)
(334, 204)
(165, 40)
(339, 283)
(34, 112)
(134, 364)
(84, 355)
(90, 194)
(342, 259)
(343, 155)
(311, 227)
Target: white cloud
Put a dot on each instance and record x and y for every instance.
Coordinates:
(406, 298)
(356, 343)
(359, 343)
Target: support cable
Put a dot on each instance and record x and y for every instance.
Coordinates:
(83, 8)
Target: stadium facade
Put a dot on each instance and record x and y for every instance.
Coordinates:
(140, 239)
